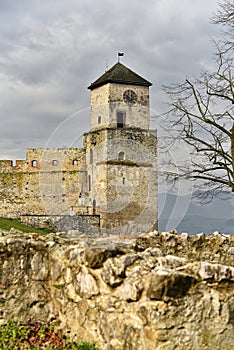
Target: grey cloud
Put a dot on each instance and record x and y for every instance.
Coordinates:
(51, 51)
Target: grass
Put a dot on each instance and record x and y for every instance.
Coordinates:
(7, 224)
(14, 336)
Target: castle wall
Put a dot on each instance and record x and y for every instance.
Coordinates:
(114, 175)
(48, 181)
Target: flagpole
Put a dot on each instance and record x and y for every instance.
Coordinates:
(120, 54)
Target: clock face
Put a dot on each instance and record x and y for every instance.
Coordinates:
(130, 97)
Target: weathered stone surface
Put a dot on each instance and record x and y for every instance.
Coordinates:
(85, 284)
(95, 257)
(216, 272)
(132, 288)
(110, 274)
(39, 266)
(123, 293)
(115, 270)
(169, 284)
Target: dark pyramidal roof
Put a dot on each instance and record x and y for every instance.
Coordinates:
(119, 74)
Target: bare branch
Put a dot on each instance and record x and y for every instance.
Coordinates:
(201, 114)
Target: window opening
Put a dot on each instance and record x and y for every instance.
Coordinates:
(75, 162)
(91, 156)
(123, 180)
(54, 162)
(81, 200)
(94, 207)
(120, 119)
(34, 163)
(89, 183)
(99, 119)
(121, 156)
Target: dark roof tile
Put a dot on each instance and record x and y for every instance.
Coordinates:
(119, 74)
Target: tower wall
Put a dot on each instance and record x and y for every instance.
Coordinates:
(107, 100)
(123, 176)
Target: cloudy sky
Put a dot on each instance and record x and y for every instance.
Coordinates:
(50, 51)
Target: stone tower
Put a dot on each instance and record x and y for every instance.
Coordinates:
(121, 153)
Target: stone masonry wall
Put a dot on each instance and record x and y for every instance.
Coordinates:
(125, 190)
(48, 181)
(160, 291)
(64, 223)
(108, 99)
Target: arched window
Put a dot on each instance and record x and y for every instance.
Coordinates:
(121, 156)
(54, 162)
(34, 163)
(75, 162)
(91, 156)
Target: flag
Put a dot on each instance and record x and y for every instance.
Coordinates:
(120, 54)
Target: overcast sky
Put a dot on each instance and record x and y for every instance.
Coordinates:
(50, 51)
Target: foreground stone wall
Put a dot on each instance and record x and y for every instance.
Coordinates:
(157, 291)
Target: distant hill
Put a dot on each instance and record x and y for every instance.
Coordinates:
(181, 213)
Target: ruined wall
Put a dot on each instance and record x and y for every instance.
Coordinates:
(48, 181)
(159, 291)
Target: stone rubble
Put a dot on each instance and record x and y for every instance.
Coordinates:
(161, 291)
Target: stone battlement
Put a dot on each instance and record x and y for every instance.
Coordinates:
(10, 165)
(46, 159)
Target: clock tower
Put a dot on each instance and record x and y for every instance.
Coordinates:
(121, 153)
(120, 97)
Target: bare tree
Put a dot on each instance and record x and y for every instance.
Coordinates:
(225, 16)
(201, 115)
